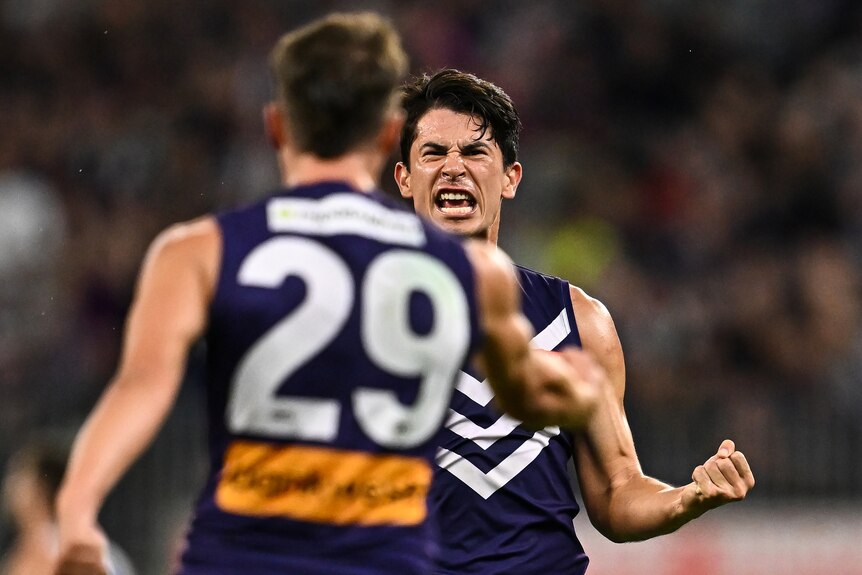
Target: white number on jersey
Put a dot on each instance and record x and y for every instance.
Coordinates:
(386, 338)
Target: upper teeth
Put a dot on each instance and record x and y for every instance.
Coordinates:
(454, 196)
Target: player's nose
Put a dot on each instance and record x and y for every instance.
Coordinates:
(453, 166)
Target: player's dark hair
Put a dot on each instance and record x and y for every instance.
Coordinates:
(335, 78)
(465, 93)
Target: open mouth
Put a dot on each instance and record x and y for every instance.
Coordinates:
(455, 203)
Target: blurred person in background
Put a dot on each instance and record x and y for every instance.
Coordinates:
(502, 492)
(30, 485)
(33, 231)
(336, 323)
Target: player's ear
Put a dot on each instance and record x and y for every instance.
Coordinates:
(390, 132)
(275, 125)
(402, 178)
(513, 178)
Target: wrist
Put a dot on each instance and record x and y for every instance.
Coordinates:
(689, 504)
(75, 508)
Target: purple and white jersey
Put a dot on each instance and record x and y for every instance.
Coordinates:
(502, 494)
(338, 327)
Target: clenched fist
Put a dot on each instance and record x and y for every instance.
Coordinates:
(723, 478)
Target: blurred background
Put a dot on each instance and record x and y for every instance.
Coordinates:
(695, 165)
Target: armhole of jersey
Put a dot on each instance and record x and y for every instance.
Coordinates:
(575, 336)
(220, 267)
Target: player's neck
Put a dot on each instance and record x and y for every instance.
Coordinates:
(493, 231)
(359, 170)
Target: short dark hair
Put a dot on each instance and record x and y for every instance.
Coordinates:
(465, 93)
(336, 77)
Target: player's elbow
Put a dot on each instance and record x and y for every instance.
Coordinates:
(615, 534)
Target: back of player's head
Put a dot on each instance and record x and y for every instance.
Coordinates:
(464, 93)
(41, 460)
(336, 77)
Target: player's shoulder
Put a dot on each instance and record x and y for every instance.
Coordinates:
(191, 234)
(593, 317)
(191, 245)
(599, 334)
(583, 303)
(190, 249)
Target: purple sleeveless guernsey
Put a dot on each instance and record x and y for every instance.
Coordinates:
(337, 330)
(502, 495)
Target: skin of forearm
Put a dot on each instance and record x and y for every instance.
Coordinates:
(641, 507)
(504, 361)
(537, 387)
(623, 503)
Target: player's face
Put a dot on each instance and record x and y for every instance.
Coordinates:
(456, 178)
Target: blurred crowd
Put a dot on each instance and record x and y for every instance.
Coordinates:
(695, 165)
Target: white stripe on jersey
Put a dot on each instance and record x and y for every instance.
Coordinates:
(486, 484)
(547, 339)
(484, 437)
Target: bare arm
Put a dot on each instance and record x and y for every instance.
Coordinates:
(622, 502)
(168, 314)
(539, 388)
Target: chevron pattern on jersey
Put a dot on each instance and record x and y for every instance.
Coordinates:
(480, 392)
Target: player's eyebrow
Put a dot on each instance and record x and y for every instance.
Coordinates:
(433, 147)
(475, 145)
(438, 148)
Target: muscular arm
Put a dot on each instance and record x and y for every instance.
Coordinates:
(537, 387)
(168, 314)
(622, 502)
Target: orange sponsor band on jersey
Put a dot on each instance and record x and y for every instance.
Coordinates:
(323, 485)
